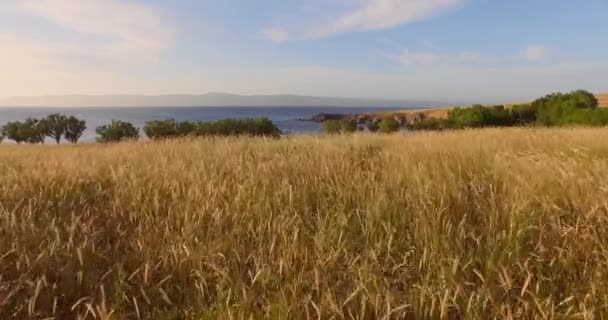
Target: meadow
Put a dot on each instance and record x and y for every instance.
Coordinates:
(507, 223)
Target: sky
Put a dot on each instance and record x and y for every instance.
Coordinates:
(439, 50)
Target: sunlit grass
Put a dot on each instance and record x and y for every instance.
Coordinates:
(481, 224)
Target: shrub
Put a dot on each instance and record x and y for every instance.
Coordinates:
(117, 131)
(185, 128)
(388, 125)
(523, 114)
(332, 127)
(74, 129)
(373, 126)
(160, 129)
(433, 124)
(348, 126)
(558, 108)
(237, 127)
(480, 116)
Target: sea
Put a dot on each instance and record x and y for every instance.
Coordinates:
(288, 119)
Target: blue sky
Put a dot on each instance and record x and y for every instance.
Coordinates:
(449, 50)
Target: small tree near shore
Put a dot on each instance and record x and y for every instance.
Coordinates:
(54, 126)
(389, 125)
(117, 131)
(74, 129)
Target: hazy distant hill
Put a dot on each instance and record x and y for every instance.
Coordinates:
(209, 99)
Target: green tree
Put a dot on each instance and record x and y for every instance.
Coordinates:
(12, 131)
(55, 126)
(33, 130)
(558, 108)
(117, 131)
(389, 125)
(74, 129)
(161, 129)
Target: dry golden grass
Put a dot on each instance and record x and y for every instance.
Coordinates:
(499, 223)
(603, 99)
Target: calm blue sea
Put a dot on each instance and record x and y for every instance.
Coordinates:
(284, 117)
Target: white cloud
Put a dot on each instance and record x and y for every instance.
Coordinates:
(128, 30)
(534, 52)
(278, 35)
(366, 15)
(93, 42)
(383, 14)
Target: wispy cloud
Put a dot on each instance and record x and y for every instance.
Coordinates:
(534, 52)
(276, 35)
(90, 44)
(367, 15)
(129, 30)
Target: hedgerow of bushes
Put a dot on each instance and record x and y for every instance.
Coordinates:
(576, 108)
(58, 127)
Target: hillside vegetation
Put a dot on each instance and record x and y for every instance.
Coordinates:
(442, 113)
(471, 224)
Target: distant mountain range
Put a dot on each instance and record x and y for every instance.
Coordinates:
(210, 99)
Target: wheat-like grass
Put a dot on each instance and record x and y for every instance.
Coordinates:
(479, 224)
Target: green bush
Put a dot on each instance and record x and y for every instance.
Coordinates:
(348, 126)
(373, 126)
(388, 125)
(117, 131)
(559, 109)
(185, 128)
(332, 127)
(160, 129)
(339, 126)
(433, 124)
(523, 114)
(237, 127)
(480, 116)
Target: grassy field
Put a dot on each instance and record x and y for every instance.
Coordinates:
(479, 224)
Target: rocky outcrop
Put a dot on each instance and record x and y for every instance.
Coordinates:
(363, 118)
(322, 117)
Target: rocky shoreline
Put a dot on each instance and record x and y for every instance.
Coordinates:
(403, 117)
